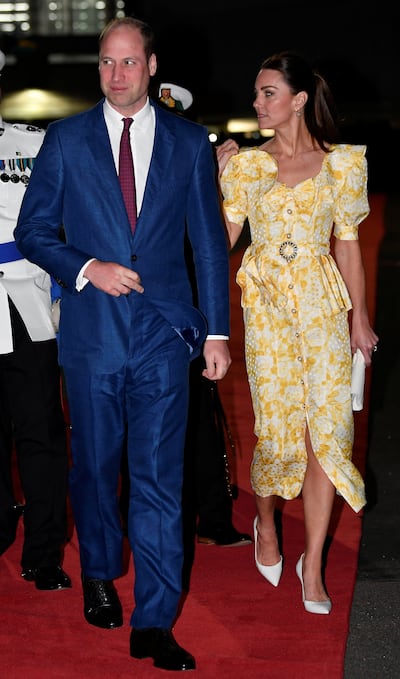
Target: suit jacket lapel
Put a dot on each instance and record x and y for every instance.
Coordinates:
(101, 156)
(99, 144)
(164, 146)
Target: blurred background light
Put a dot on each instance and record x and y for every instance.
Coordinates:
(35, 104)
(246, 126)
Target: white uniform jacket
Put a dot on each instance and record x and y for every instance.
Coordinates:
(26, 284)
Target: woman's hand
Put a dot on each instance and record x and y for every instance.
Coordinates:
(349, 260)
(224, 152)
(363, 337)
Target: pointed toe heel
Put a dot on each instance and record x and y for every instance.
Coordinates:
(318, 607)
(270, 573)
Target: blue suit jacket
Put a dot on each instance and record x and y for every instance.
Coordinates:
(74, 184)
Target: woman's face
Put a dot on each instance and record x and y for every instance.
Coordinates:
(274, 103)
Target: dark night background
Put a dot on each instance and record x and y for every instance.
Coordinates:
(214, 49)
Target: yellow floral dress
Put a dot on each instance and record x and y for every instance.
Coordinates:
(295, 306)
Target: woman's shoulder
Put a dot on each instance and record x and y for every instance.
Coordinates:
(344, 157)
(347, 151)
(254, 157)
(257, 151)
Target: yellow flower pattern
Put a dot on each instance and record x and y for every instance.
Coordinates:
(295, 305)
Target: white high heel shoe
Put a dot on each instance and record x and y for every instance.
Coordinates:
(270, 573)
(321, 607)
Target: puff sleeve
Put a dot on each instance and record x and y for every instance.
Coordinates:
(234, 191)
(348, 165)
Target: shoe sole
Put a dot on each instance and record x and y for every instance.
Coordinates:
(210, 541)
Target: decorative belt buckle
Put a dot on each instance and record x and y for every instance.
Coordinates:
(288, 250)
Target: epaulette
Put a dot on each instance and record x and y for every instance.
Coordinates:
(27, 128)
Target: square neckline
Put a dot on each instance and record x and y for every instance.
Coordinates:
(303, 181)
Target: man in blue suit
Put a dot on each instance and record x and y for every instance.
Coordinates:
(128, 327)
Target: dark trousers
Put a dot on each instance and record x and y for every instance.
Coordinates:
(207, 500)
(8, 517)
(32, 417)
(142, 405)
(206, 491)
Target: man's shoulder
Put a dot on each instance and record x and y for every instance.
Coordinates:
(179, 121)
(18, 139)
(20, 129)
(83, 120)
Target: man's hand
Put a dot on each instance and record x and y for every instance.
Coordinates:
(113, 278)
(217, 358)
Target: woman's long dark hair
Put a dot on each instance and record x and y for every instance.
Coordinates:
(320, 113)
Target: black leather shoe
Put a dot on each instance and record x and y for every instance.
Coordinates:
(159, 644)
(102, 606)
(18, 510)
(225, 538)
(47, 577)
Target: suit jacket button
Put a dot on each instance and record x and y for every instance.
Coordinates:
(133, 258)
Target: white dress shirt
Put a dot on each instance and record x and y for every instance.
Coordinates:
(142, 141)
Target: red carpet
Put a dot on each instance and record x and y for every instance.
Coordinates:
(233, 621)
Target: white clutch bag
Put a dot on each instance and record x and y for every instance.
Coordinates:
(358, 381)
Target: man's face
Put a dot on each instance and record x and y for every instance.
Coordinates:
(124, 70)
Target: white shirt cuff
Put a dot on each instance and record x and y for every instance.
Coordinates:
(223, 337)
(81, 281)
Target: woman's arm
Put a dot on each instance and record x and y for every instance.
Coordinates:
(349, 260)
(233, 230)
(224, 152)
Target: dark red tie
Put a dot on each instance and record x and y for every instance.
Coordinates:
(127, 174)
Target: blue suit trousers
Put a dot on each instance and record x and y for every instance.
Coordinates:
(144, 403)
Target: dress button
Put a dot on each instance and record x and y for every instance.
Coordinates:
(290, 286)
(294, 311)
(288, 235)
(289, 211)
(299, 358)
(297, 334)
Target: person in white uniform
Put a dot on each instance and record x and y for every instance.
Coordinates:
(31, 414)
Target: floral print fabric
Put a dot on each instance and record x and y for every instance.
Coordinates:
(295, 306)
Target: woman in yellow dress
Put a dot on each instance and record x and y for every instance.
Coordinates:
(296, 190)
